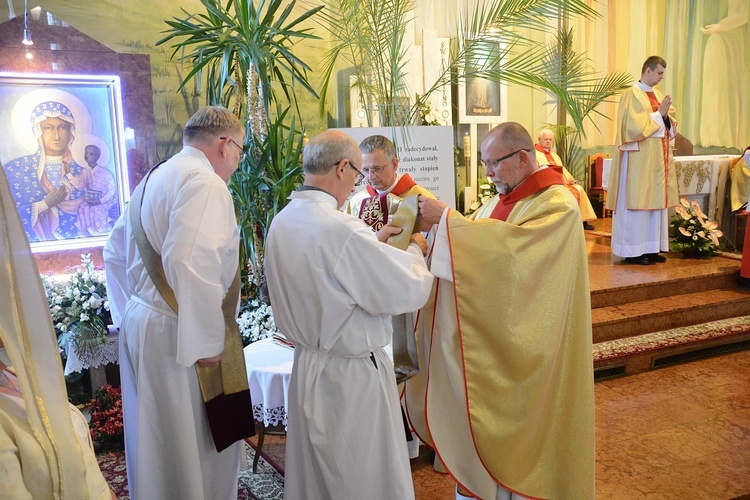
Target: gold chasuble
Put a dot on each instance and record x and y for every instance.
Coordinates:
(550, 158)
(651, 174)
(739, 175)
(506, 394)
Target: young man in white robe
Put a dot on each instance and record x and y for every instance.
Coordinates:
(345, 437)
(188, 217)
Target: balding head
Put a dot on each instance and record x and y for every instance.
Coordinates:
(513, 135)
(331, 161)
(326, 149)
(507, 155)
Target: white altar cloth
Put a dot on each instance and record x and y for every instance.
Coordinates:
(269, 370)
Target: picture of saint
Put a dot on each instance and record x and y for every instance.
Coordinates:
(48, 186)
(482, 99)
(62, 188)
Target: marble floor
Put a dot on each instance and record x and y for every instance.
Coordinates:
(680, 432)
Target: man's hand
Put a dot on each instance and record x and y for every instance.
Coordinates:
(430, 211)
(55, 197)
(419, 240)
(387, 231)
(666, 103)
(208, 362)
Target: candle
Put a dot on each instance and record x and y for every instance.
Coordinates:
(467, 145)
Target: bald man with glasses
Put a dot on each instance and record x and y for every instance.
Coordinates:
(506, 335)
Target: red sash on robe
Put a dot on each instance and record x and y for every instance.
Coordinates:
(404, 184)
(664, 140)
(550, 159)
(551, 162)
(541, 179)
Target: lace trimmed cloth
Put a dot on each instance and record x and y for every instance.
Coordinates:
(83, 357)
(269, 371)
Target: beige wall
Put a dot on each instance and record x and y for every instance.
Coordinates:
(626, 33)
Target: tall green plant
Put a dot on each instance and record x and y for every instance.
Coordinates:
(370, 37)
(221, 44)
(515, 57)
(242, 55)
(578, 92)
(261, 192)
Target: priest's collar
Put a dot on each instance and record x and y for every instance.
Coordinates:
(644, 87)
(313, 188)
(389, 188)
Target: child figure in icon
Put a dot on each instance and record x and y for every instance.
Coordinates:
(100, 196)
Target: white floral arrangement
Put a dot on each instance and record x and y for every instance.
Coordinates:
(79, 306)
(256, 322)
(692, 233)
(430, 116)
(486, 191)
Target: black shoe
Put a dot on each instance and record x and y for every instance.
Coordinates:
(642, 260)
(587, 226)
(655, 257)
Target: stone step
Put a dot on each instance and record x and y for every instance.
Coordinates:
(723, 277)
(666, 312)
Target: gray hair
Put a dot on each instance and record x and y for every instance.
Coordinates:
(326, 150)
(211, 121)
(546, 129)
(380, 142)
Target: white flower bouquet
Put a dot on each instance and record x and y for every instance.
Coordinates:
(256, 322)
(485, 192)
(692, 233)
(79, 306)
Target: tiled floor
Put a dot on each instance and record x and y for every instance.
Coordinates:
(680, 432)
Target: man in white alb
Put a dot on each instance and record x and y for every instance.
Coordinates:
(345, 435)
(188, 217)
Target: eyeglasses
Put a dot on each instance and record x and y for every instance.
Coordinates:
(374, 170)
(243, 155)
(494, 163)
(360, 175)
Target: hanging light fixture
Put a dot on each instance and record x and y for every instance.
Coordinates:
(26, 31)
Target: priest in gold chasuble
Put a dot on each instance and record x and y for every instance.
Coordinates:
(643, 180)
(506, 391)
(545, 156)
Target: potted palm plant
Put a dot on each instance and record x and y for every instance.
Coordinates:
(369, 36)
(242, 57)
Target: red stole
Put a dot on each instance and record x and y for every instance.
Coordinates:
(541, 179)
(547, 154)
(404, 184)
(664, 140)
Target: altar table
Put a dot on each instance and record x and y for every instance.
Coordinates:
(704, 179)
(269, 370)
